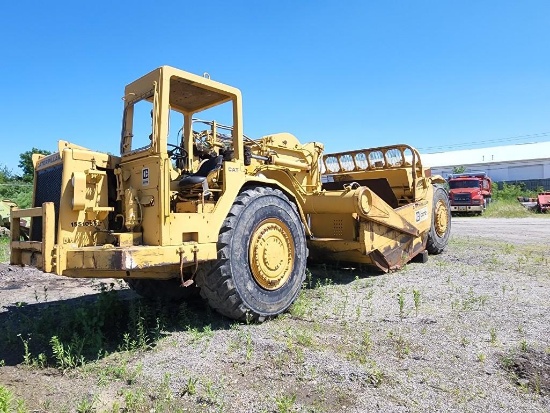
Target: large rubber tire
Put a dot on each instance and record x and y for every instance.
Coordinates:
(440, 228)
(262, 255)
(164, 290)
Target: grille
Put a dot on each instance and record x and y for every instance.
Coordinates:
(48, 189)
(465, 199)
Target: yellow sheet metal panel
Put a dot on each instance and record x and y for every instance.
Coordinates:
(337, 226)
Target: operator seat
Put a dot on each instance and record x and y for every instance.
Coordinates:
(199, 178)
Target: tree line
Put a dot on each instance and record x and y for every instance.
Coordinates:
(18, 188)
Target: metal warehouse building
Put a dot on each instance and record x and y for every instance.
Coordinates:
(527, 162)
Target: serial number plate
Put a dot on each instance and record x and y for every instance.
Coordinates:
(88, 223)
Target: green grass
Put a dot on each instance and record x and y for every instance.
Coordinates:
(509, 208)
(4, 249)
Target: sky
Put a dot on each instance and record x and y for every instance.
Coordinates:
(438, 75)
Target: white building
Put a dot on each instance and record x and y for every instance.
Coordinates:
(511, 163)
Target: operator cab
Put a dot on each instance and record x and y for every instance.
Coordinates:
(159, 123)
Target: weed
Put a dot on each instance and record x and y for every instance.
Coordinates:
(47, 405)
(493, 335)
(302, 306)
(9, 404)
(521, 261)
(376, 376)
(212, 393)
(507, 361)
(119, 370)
(164, 391)
(304, 338)
(27, 357)
(481, 357)
(537, 383)
(401, 302)
(67, 355)
(464, 341)
(366, 341)
(242, 339)
(190, 387)
(197, 335)
(309, 279)
(357, 313)
(523, 345)
(108, 373)
(41, 361)
(137, 320)
(85, 405)
(6, 400)
(470, 302)
(115, 408)
(135, 400)
(401, 346)
(416, 298)
(360, 353)
(508, 248)
(285, 403)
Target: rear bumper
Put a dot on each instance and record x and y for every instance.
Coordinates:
(135, 261)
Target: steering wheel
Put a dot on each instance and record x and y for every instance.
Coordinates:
(178, 154)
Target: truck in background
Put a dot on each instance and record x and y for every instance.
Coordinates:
(540, 204)
(469, 192)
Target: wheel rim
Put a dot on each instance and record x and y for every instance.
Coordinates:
(441, 218)
(271, 254)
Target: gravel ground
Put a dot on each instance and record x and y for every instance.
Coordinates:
(467, 331)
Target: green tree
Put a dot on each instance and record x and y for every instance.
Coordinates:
(459, 169)
(5, 174)
(25, 163)
(14, 188)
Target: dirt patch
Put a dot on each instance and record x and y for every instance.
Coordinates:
(531, 369)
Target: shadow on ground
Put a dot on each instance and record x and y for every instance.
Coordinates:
(339, 274)
(87, 328)
(91, 326)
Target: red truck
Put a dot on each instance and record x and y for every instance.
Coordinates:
(469, 192)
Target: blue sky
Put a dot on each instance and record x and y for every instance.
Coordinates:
(349, 74)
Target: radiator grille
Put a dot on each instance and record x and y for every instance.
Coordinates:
(48, 189)
(463, 199)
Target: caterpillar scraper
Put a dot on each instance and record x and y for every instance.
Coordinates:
(195, 206)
